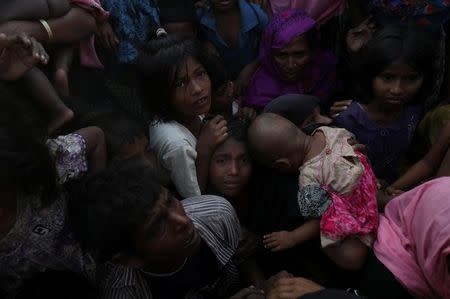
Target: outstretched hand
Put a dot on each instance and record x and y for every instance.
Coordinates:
(292, 288)
(18, 54)
(278, 241)
(357, 37)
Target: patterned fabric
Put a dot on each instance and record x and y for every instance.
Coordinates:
(133, 21)
(351, 186)
(88, 55)
(313, 201)
(40, 239)
(69, 152)
(353, 214)
(318, 78)
(217, 224)
(386, 145)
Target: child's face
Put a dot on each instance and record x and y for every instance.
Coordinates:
(168, 234)
(230, 168)
(292, 59)
(192, 91)
(397, 84)
(223, 98)
(222, 5)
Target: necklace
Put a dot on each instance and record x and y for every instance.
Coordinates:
(166, 274)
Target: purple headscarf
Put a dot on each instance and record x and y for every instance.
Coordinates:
(318, 78)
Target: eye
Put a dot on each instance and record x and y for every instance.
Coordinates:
(386, 77)
(220, 161)
(201, 73)
(179, 83)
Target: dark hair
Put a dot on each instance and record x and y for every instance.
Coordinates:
(158, 65)
(119, 128)
(399, 43)
(25, 161)
(110, 205)
(218, 72)
(238, 128)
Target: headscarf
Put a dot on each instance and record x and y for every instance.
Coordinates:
(294, 107)
(320, 11)
(318, 77)
(414, 239)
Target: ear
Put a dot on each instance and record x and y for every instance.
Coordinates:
(128, 260)
(282, 165)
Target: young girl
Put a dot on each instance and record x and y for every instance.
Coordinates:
(234, 29)
(177, 89)
(395, 72)
(290, 62)
(337, 187)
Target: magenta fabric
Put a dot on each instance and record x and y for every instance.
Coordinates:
(88, 55)
(318, 77)
(354, 214)
(320, 11)
(414, 239)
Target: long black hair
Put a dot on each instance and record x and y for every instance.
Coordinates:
(158, 65)
(400, 43)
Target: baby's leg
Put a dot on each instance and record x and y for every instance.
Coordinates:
(43, 92)
(95, 148)
(29, 10)
(63, 61)
(350, 254)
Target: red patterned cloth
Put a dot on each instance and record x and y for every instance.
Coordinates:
(354, 214)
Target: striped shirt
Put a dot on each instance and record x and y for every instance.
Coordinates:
(218, 226)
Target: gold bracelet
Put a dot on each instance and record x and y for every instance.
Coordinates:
(47, 28)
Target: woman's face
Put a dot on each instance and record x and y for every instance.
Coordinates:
(192, 90)
(292, 59)
(397, 84)
(230, 168)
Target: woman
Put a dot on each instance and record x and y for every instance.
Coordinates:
(177, 90)
(412, 253)
(290, 62)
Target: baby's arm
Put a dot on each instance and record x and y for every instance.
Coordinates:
(282, 240)
(32, 10)
(95, 148)
(426, 167)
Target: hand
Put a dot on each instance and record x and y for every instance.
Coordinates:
(248, 244)
(278, 241)
(213, 133)
(357, 146)
(393, 191)
(339, 107)
(18, 54)
(248, 113)
(270, 283)
(107, 37)
(357, 37)
(249, 293)
(292, 288)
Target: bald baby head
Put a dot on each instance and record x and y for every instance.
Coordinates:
(272, 137)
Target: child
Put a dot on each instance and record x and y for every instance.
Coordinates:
(336, 185)
(395, 73)
(234, 28)
(34, 232)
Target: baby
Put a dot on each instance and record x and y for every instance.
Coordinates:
(337, 187)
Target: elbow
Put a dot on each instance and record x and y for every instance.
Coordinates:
(86, 22)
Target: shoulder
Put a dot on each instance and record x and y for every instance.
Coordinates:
(209, 206)
(170, 134)
(260, 13)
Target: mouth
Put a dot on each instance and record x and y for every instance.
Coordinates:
(395, 100)
(200, 103)
(225, 3)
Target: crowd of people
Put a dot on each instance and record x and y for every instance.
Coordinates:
(209, 149)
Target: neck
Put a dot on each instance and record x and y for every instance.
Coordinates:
(227, 12)
(388, 111)
(303, 143)
(193, 124)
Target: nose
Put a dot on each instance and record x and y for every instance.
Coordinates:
(234, 168)
(181, 222)
(291, 63)
(196, 87)
(396, 87)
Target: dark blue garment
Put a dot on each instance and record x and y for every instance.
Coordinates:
(253, 22)
(133, 22)
(385, 145)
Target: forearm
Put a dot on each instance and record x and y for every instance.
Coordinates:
(307, 231)
(32, 10)
(418, 172)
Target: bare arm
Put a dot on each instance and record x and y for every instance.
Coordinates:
(282, 240)
(427, 166)
(70, 28)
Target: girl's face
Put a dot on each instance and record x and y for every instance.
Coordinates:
(397, 84)
(192, 91)
(230, 168)
(292, 59)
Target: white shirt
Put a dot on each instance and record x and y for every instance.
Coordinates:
(175, 149)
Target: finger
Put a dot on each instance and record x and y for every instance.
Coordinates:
(222, 138)
(222, 131)
(221, 123)
(216, 119)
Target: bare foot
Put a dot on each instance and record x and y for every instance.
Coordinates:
(61, 82)
(63, 116)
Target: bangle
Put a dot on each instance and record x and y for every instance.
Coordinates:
(47, 28)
